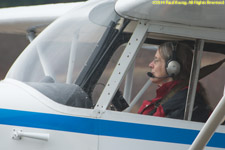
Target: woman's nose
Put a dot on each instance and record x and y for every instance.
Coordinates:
(151, 64)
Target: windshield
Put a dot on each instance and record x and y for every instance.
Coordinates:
(61, 50)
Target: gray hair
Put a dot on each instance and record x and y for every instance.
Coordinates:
(183, 54)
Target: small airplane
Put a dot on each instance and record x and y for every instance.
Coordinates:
(58, 93)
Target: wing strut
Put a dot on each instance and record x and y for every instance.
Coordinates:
(210, 126)
(31, 33)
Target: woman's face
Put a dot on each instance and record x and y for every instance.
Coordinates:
(158, 70)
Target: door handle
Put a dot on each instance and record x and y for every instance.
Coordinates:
(18, 134)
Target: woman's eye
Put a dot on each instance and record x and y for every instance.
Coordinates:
(155, 60)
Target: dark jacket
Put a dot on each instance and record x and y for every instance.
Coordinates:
(174, 106)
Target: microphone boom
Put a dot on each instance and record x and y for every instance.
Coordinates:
(152, 76)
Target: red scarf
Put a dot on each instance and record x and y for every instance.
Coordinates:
(148, 106)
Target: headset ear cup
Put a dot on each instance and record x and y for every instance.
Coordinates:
(173, 68)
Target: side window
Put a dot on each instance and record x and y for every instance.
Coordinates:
(143, 58)
(146, 55)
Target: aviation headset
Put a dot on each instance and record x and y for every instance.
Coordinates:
(172, 65)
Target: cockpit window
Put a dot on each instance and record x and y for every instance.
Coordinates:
(55, 60)
(60, 52)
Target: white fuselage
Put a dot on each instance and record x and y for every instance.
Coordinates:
(29, 111)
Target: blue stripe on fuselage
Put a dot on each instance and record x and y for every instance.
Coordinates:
(104, 127)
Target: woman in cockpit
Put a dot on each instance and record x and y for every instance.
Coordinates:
(170, 70)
